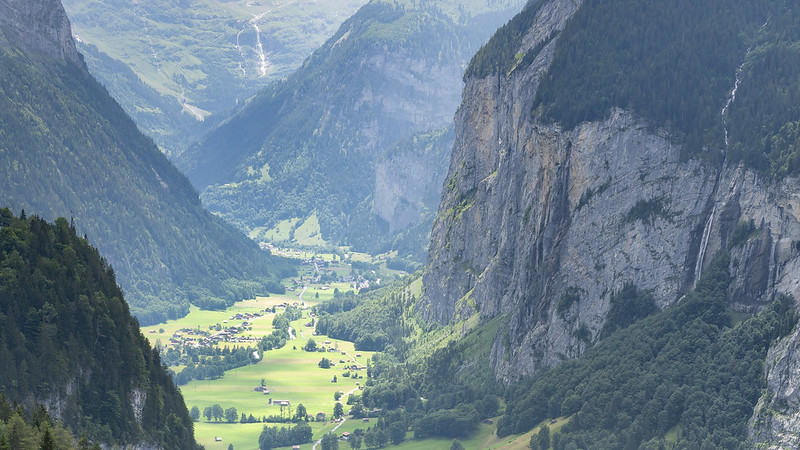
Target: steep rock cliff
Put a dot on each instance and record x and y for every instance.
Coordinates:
(39, 26)
(409, 177)
(542, 225)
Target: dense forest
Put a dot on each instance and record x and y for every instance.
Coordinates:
(371, 320)
(68, 340)
(67, 149)
(675, 64)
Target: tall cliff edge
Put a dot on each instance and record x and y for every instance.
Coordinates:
(41, 26)
(543, 224)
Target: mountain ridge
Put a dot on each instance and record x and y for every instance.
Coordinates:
(68, 149)
(391, 72)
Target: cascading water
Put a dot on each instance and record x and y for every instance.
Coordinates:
(698, 267)
(262, 57)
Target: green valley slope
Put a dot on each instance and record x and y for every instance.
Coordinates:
(68, 149)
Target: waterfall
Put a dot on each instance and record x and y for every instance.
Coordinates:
(731, 98)
(260, 48)
(701, 254)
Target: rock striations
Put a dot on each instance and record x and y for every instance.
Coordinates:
(40, 26)
(542, 225)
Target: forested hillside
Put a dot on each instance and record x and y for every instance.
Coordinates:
(310, 144)
(67, 149)
(69, 343)
(686, 377)
(675, 64)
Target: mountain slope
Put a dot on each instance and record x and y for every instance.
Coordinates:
(67, 149)
(311, 143)
(68, 341)
(200, 57)
(595, 151)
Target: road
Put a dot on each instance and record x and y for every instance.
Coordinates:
(314, 447)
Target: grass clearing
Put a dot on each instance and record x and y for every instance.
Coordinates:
(290, 373)
(308, 234)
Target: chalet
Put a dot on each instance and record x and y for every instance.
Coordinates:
(320, 417)
(345, 435)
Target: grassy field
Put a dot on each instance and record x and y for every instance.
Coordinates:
(308, 234)
(292, 374)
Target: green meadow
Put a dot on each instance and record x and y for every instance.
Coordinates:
(292, 374)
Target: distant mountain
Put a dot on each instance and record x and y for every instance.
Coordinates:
(69, 343)
(195, 60)
(311, 144)
(68, 149)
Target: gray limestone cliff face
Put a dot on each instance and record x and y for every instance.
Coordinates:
(41, 26)
(542, 225)
(408, 180)
(776, 422)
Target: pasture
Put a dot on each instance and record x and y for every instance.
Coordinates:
(290, 373)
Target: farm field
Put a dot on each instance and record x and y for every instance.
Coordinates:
(291, 375)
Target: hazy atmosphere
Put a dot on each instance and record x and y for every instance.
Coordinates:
(411, 224)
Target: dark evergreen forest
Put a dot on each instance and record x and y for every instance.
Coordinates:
(674, 64)
(67, 337)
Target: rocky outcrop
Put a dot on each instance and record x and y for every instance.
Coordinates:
(776, 423)
(41, 26)
(542, 225)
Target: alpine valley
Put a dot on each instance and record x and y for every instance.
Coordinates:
(611, 224)
(357, 139)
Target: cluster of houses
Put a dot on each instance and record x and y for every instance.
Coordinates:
(200, 338)
(187, 336)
